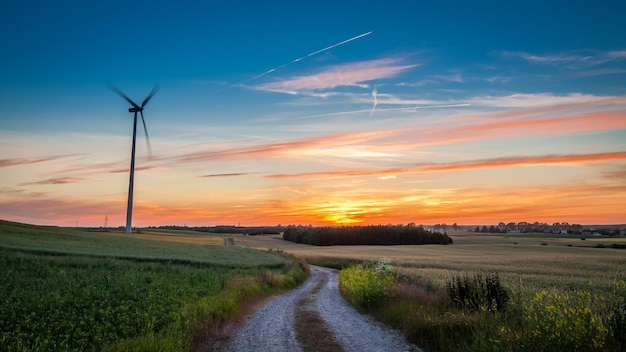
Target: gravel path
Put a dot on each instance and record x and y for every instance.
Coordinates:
(271, 328)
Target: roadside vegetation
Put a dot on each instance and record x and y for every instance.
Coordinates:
(75, 290)
(476, 312)
(364, 235)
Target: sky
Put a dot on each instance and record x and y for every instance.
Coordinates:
(314, 113)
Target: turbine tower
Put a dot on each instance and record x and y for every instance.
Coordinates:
(134, 109)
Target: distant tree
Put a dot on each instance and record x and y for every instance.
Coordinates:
(364, 235)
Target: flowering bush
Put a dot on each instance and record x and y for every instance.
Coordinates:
(367, 286)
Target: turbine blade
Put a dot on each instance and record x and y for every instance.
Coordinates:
(145, 129)
(121, 94)
(154, 90)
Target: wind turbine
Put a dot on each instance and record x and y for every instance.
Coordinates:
(134, 109)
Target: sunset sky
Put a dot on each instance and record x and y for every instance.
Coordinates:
(323, 113)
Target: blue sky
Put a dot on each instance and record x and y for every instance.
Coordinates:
(463, 112)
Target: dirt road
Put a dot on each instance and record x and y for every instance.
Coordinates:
(272, 327)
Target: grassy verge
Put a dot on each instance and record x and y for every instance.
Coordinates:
(123, 294)
(311, 329)
(465, 315)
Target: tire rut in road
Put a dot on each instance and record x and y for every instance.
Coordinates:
(311, 329)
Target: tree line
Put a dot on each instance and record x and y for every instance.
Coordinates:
(364, 235)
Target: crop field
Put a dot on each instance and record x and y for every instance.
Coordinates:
(76, 290)
(535, 261)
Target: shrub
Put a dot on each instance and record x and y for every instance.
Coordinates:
(365, 286)
(383, 267)
(478, 292)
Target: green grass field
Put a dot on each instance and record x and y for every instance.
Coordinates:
(79, 290)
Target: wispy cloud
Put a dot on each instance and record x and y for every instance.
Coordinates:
(55, 181)
(26, 161)
(539, 100)
(408, 109)
(572, 59)
(569, 159)
(344, 173)
(282, 149)
(375, 97)
(341, 75)
(139, 168)
(523, 161)
(453, 77)
(552, 116)
(226, 175)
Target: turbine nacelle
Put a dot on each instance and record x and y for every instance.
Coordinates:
(135, 109)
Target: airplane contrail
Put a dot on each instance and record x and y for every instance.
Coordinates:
(309, 55)
(374, 95)
(413, 108)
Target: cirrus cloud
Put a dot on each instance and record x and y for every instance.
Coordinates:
(352, 74)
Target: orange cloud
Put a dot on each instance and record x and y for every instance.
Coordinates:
(465, 165)
(226, 175)
(55, 181)
(524, 161)
(24, 161)
(137, 168)
(518, 127)
(276, 150)
(384, 142)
